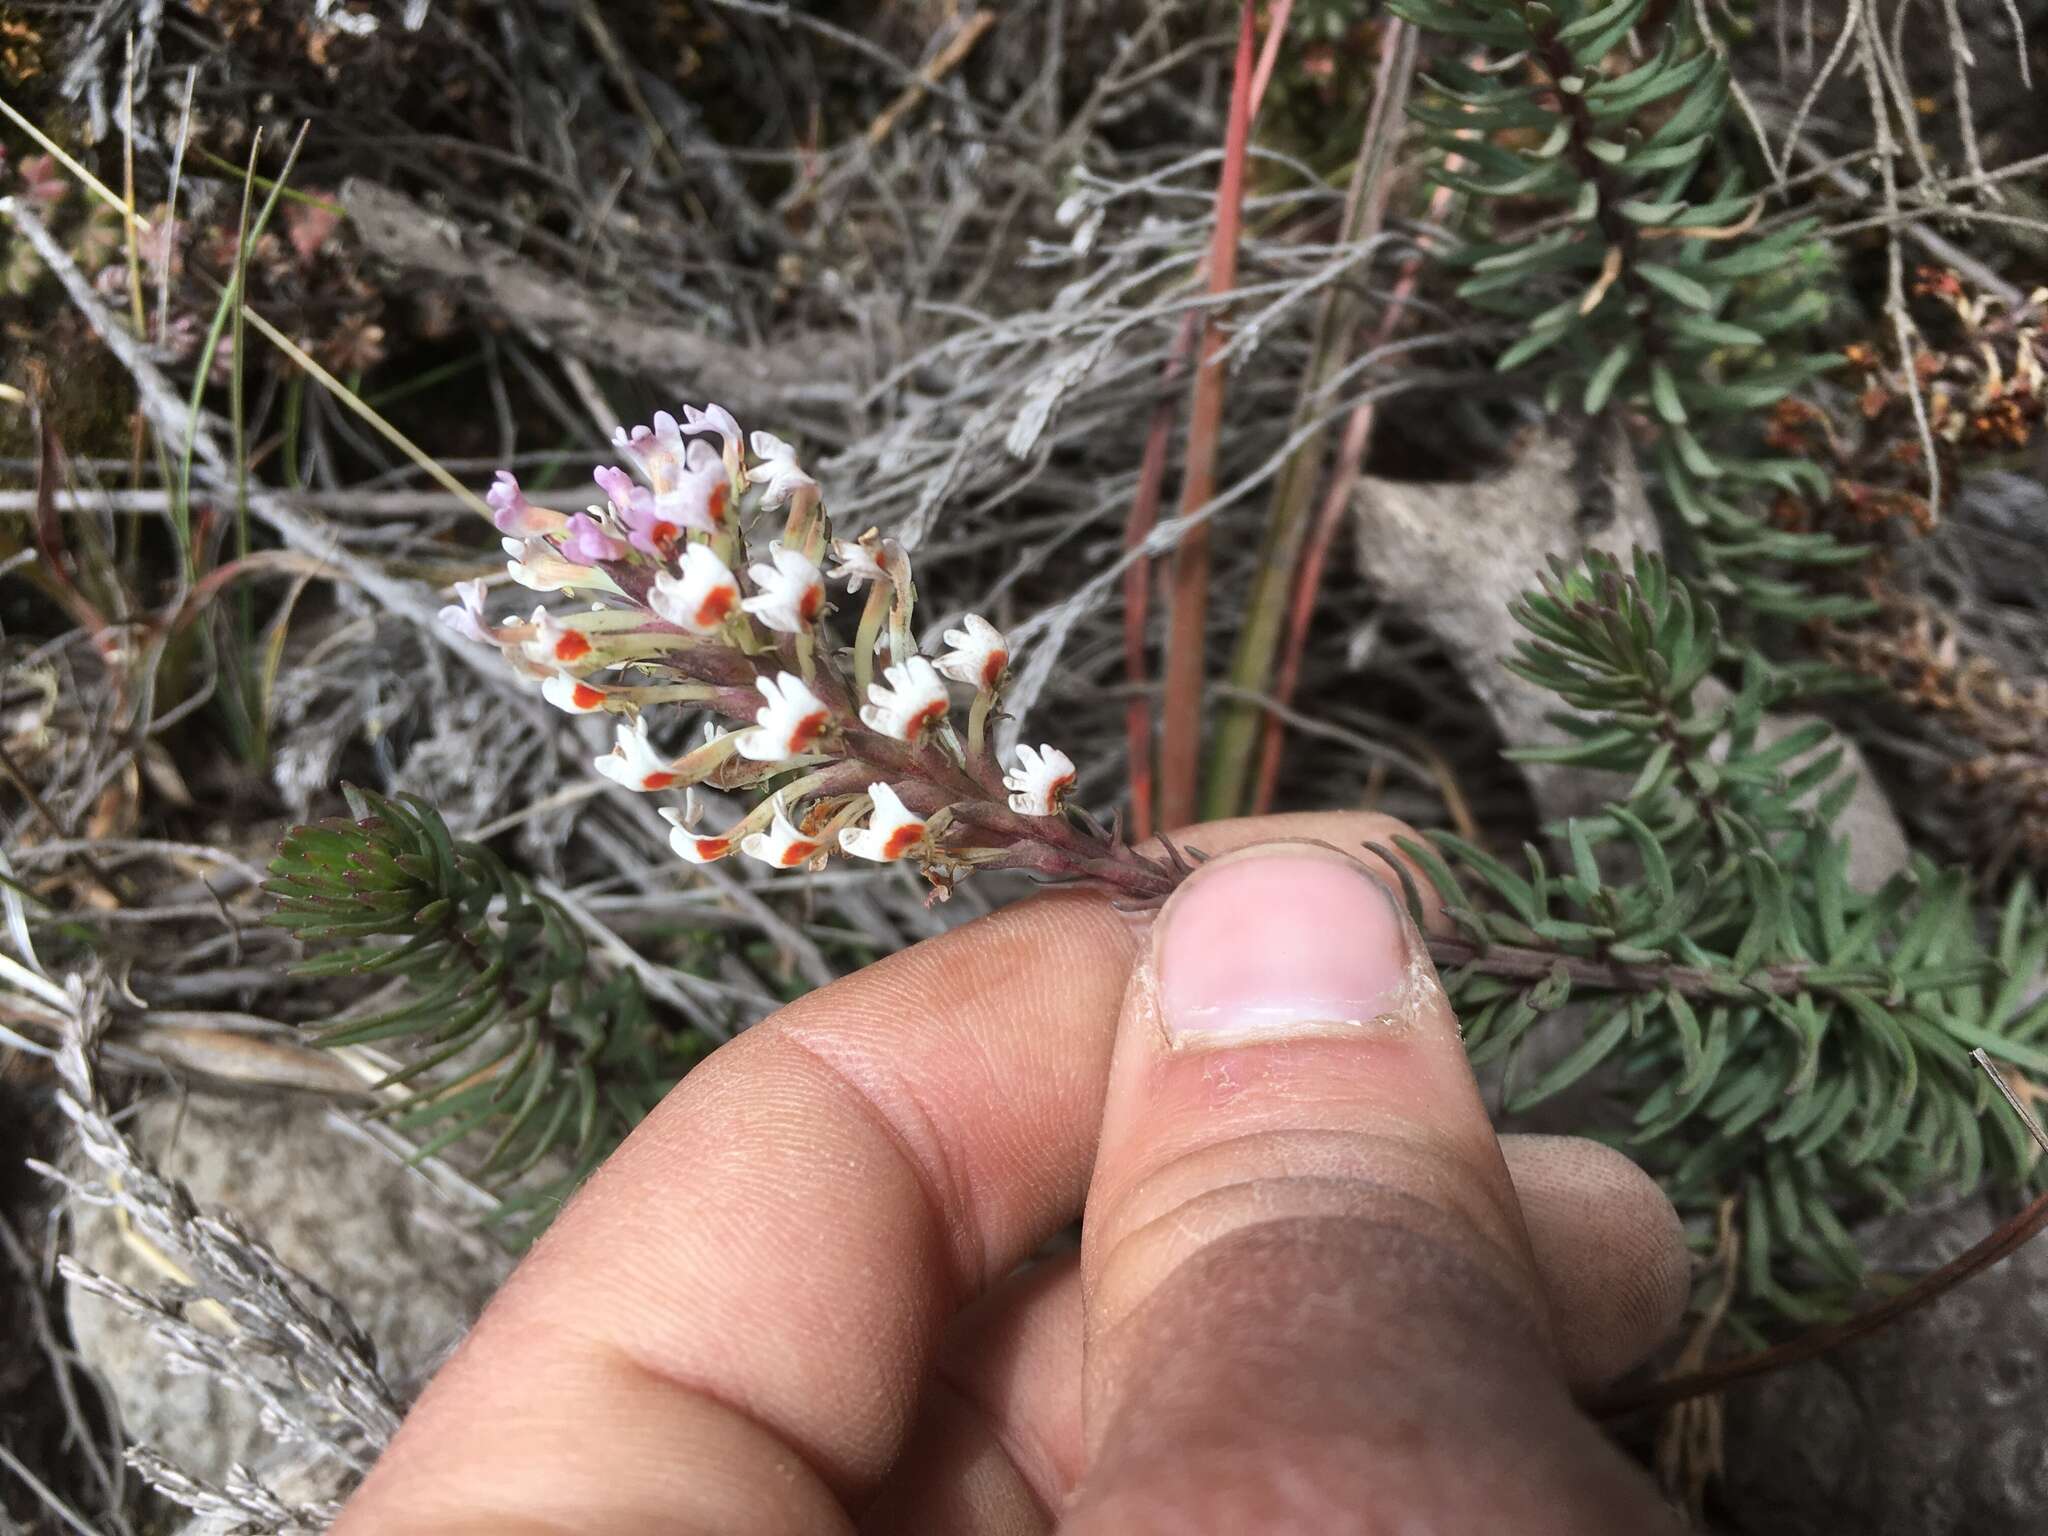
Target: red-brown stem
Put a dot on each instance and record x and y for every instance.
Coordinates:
(1053, 847)
(1138, 583)
(1269, 55)
(1186, 668)
(1818, 1341)
(1315, 554)
(1145, 503)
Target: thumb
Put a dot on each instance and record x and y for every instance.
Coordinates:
(1310, 1300)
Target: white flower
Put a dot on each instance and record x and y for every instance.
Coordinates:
(778, 470)
(690, 846)
(659, 452)
(535, 565)
(790, 593)
(634, 762)
(690, 498)
(702, 598)
(514, 514)
(979, 654)
(914, 697)
(698, 500)
(1039, 781)
(717, 419)
(793, 718)
(858, 563)
(890, 833)
(466, 616)
(555, 645)
(573, 694)
(782, 845)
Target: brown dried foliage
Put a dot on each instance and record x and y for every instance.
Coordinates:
(1984, 383)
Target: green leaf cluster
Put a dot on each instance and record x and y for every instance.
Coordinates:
(507, 1029)
(1615, 229)
(1775, 1035)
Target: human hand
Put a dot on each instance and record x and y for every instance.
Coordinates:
(1315, 1293)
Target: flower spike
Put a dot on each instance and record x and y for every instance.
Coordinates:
(684, 613)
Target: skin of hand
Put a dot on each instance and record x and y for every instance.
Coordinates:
(1315, 1293)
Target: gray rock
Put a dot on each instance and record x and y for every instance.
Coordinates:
(1931, 1427)
(332, 1206)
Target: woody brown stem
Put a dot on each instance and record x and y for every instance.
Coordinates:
(1517, 963)
(1818, 1341)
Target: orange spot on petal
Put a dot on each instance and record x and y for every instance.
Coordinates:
(812, 605)
(587, 697)
(571, 646)
(717, 606)
(807, 730)
(657, 781)
(902, 840)
(992, 669)
(798, 853)
(716, 505)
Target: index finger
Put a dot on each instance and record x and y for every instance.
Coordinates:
(729, 1328)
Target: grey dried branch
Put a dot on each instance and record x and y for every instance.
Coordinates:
(632, 336)
(290, 1344)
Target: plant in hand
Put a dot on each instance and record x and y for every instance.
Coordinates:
(1785, 1041)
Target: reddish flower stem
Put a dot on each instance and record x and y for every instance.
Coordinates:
(1315, 554)
(2000, 1244)
(1188, 571)
(1138, 583)
(1144, 514)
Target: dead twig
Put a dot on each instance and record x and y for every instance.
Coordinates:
(626, 338)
